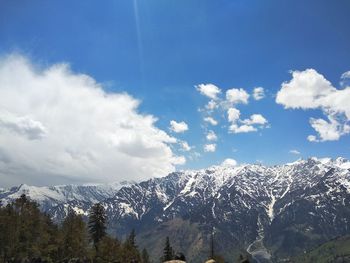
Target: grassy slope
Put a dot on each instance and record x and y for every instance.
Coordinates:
(336, 250)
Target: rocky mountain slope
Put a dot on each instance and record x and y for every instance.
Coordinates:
(273, 212)
(57, 200)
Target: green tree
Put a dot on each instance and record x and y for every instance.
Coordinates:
(97, 224)
(25, 232)
(109, 250)
(167, 251)
(8, 232)
(130, 252)
(132, 238)
(145, 256)
(74, 237)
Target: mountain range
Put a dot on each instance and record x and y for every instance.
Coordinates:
(273, 213)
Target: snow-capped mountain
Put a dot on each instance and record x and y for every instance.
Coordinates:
(275, 211)
(57, 200)
(270, 211)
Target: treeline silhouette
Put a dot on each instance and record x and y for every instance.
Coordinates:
(28, 235)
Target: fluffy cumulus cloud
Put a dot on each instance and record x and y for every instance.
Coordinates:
(178, 127)
(258, 93)
(310, 90)
(233, 114)
(229, 162)
(22, 125)
(211, 136)
(235, 128)
(236, 96)
(185, 147)
(57, 126)
(255, 119)
(209, 90)
(211, 121)
(238, 125)
(210, 147)
(233, 97)
(312, 138)
(211, 105)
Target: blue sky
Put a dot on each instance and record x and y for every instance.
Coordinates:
(158, 51)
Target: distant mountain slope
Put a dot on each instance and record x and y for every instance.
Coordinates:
(336, 250)
(57, 200)
(275, 212)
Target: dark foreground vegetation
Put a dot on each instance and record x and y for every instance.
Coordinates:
(28, 235)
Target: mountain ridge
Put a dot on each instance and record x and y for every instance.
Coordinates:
(273, 211)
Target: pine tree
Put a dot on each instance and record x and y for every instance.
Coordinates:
(167, 251)
(131, 239)
(145, 256)
(97, 224)
(130, 251)
(26, 233)
(109, 250)
(74, 238)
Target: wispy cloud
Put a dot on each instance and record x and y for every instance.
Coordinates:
(296, 152)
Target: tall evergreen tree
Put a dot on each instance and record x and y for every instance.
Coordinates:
(109, 250)
(130, 251)
(145, 256)
(97, 224)
(74, 237)
(131, 239)
(25, 232)
(167, 251)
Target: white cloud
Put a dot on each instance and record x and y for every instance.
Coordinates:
(57, 126)
(345, 79)
(304, 90)
(179, 160)
(211, 120)
(228, 104)
(234, 128)
(255, 119)
(210, 147)
(329, 130)
(236, 96)
(233, 114)
(211, 105)
(211, 136)
(209, 90)
(345, 75)
(22, 125)
(247, 124)
(229, 162)
(312, 138)
(185, 147)
(178, 127)
(310, 90)
(258, 93)
(294, 152)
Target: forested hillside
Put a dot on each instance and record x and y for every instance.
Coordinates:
(28, 235)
